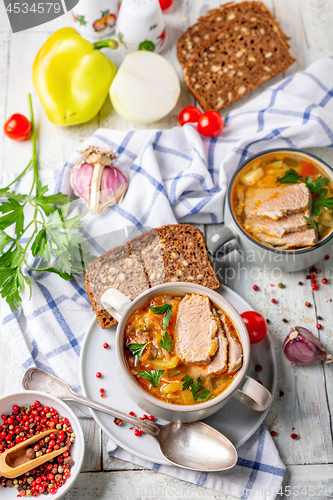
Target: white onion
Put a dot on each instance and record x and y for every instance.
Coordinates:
(146, 87)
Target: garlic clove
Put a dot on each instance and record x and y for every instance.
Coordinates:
(113, 186)
(301, 347)
(81, 181)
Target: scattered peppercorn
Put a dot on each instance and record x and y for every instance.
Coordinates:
(293, 436)
(259, 382)
(137, 432)
(151, 418)
(132, 413)
(118, 421)
(318, 326)
(300, 283)
(273, 433)
(324, 281)
(307, 276)
(313, 276)
(258, 368)
(267, 321)
(103, 395)
(326, 257)
(319, 317)
(313, 270)
(315, 286)
(255, 288)
(281, 394)
(273, 300)
(102, 390)
(105, 345)
(281, 285)
(285, 320)
(98, 374)
(308, 304)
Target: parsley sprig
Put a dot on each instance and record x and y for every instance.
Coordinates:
(153, 376)
(310, 223)
(199, 393)
(317, 187)
(53, 237)
(167, 342)
(163, 309)
(137, 350)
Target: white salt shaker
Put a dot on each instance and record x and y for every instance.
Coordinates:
(141, 26)
(95, 19)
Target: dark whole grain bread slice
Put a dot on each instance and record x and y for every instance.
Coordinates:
(167, 254)
(236, 60)
(216, 19)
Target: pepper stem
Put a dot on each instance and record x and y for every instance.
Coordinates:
(111, 44)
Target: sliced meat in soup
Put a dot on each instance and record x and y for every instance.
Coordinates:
(219, 363)
(277, 202)
(290, 224)
(235, 351)
(196, 330)
(292, 240)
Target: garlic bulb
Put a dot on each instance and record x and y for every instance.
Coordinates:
(301, 347)
(97, 180)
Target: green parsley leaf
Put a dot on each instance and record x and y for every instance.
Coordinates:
(310, 223)
(199, 392)
(167, 342)
(188, 381)
(4, 240)
(153, 376)
(317, 185)
(321, 201)
(137, 350)
(290, 177)
(14, 211)
(49, 203)
(5, 194)
(39, 243)
(163, 309)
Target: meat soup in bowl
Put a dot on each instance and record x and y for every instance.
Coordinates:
(183, 351)
(279, 211)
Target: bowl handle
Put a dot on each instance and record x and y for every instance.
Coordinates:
(253, 395)
(115, 303)
(219, 239)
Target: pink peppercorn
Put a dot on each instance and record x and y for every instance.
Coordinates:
(255, 288)
(98, 374)
(105, 345)
(273, 300)
(151, 418)
(315, 286)
(326, 257)
(318, 326)
(324, 281)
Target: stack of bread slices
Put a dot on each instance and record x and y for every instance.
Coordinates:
(230, 51)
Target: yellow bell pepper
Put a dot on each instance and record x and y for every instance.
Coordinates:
(72, 77)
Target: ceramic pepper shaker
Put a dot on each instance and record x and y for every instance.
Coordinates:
(141, 26)
(95, 19)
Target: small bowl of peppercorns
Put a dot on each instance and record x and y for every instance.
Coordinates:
(26, 414)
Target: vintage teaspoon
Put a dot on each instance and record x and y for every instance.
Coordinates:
(194, 445)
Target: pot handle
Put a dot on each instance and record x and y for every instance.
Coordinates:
(253, 395)
(115, 303)
(220, 238)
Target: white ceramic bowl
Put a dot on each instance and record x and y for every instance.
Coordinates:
(77, 449)
(244, 388)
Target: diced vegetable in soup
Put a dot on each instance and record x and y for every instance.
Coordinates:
(284, 200)
(182, 349)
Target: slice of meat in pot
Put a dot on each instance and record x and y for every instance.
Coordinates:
(219, 363)
(196, 330)
(235, 351)
(277, 202)
(306, 238)
(290, 224)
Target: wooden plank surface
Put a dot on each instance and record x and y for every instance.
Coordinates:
(307, 400)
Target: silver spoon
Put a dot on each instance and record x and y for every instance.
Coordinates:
(193, 445)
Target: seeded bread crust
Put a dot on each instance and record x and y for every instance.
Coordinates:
(167, 254)
(236, 60)
(216, 19)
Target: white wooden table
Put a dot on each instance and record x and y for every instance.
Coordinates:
(304, 396)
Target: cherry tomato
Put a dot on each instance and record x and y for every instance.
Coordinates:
(165, 4)
(210, 124)
(17, 127)
(190, 114)
(256, 326)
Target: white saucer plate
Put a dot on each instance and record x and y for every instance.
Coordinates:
(234, 420)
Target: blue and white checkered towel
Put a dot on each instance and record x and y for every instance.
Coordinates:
(174, 175)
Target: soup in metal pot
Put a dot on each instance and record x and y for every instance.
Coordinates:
(182, 349)
(284, 200)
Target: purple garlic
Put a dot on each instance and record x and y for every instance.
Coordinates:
(301, 347)
(97, 180)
